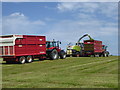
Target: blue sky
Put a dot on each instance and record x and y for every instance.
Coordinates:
(63, 21)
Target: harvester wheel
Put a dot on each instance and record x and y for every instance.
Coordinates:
(22, 60)
(29, 59)
(54, 55)
(77, 54)
(62, 54)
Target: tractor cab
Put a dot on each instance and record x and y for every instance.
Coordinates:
(54, 51)
(53, 45)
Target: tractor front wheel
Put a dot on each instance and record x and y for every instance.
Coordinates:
(62, 54)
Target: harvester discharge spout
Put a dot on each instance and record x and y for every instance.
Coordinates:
(83, 37)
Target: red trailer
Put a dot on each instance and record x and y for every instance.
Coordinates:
(95, 47)
(22, 48)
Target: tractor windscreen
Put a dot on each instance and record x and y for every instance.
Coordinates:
(48, 44)
(52, 44)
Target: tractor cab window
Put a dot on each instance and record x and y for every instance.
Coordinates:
(52, 44)
(55, 44)
(49, 44)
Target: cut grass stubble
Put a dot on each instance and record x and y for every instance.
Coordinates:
(80, 72)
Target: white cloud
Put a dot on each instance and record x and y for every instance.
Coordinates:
(106, 9)
(67, 6)
(70, 30)
(17, 14)
(18, 23)
(110, 10)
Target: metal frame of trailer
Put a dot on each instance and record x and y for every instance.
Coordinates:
(13, 47)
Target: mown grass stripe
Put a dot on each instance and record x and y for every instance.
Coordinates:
(91, 63)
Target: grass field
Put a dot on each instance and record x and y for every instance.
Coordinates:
(80, 72)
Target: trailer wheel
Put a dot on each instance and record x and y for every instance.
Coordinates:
(29, 59)
(22, 60)
(62, 54)
(54, 55)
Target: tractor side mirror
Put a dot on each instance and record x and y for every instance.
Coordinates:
(60, 42)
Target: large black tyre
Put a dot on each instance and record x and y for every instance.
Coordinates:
(81, 53)
(77, 54)
(54, 54)
(22, 60)
(62, 54)
(105, 54)
(29, 59)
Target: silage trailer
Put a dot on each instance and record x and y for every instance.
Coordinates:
(95, 47)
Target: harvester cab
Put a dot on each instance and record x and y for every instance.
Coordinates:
(54, 51)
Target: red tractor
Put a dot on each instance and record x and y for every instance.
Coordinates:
(54, 51)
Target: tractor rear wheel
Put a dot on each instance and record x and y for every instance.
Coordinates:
(29, 59)
(54, 54)
(62, 54)
(22, 60)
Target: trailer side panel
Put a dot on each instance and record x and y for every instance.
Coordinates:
(92, 47)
